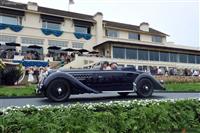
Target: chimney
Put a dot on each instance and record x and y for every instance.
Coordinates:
(98, 17)
(144, 26)
(32, 6)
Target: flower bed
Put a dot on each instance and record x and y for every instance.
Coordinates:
(113, 117)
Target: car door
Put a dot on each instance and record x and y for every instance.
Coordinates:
(112, 80)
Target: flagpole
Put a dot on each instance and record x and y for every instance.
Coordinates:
(68, 5)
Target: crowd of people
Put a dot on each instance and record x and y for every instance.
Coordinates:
(173, 71)
(155, 70)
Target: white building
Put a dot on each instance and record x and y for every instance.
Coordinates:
(30, 24)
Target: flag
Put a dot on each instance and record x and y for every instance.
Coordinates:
(71, 2)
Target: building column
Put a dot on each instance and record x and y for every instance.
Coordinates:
(45, 47)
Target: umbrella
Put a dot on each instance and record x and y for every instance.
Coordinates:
(69, 49)
(34, 47)
(83, 50)
(93, 52)
(11, 49)
(54, 48)
(13, 44)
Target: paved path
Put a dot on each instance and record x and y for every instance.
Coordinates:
(86, 98)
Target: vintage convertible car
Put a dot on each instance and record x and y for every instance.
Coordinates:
(58, 85)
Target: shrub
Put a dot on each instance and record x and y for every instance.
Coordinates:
(11, 74)
(143, 116)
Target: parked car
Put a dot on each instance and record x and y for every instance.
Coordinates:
(58, 85)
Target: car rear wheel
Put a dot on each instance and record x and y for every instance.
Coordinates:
(58, 90)
(144, 88)
(123, 94)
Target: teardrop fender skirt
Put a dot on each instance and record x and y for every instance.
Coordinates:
(76, 83)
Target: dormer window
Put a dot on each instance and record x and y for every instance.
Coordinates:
(51, 25)
(82, 29)
(9, 19)
(157, 39)
(51, 22)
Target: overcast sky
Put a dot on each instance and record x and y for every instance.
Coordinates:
(178, 18)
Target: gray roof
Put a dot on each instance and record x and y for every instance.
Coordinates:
(132, 27)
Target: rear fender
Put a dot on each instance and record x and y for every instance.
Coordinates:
(156, 84)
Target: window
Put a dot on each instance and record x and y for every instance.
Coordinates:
(198, 59)
(134, 36)
(154, 56)
(191, 59)
(7, 39)
(131, 53)
(82, 29)
(111, 33)
(50, 25)
(157, 39)
(27, 40)
(58, 43)
(173, 57)
(13, 20)
(77, 45)
(183, 58)
(164, 56)
(118, 52)
(143, 55)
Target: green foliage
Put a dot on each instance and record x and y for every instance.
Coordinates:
(17, 90)
(182, 87)
(11, 74)
(101, 118)
(2, 66)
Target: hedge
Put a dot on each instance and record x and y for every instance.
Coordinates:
(136, 116)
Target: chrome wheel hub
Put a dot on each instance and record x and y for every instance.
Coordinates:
(146, 87)
(59, 90)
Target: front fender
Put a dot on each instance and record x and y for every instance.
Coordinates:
(157, 85)
(73, 81)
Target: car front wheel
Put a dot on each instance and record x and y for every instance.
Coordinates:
(58, 90)
(144, 88)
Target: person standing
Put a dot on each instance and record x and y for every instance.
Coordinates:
(30, 75)
(37, 73)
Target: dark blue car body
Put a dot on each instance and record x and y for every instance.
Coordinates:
(123, 81)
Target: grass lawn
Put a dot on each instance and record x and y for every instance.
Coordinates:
(182, 87)
(17, 90)
(30, 90)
